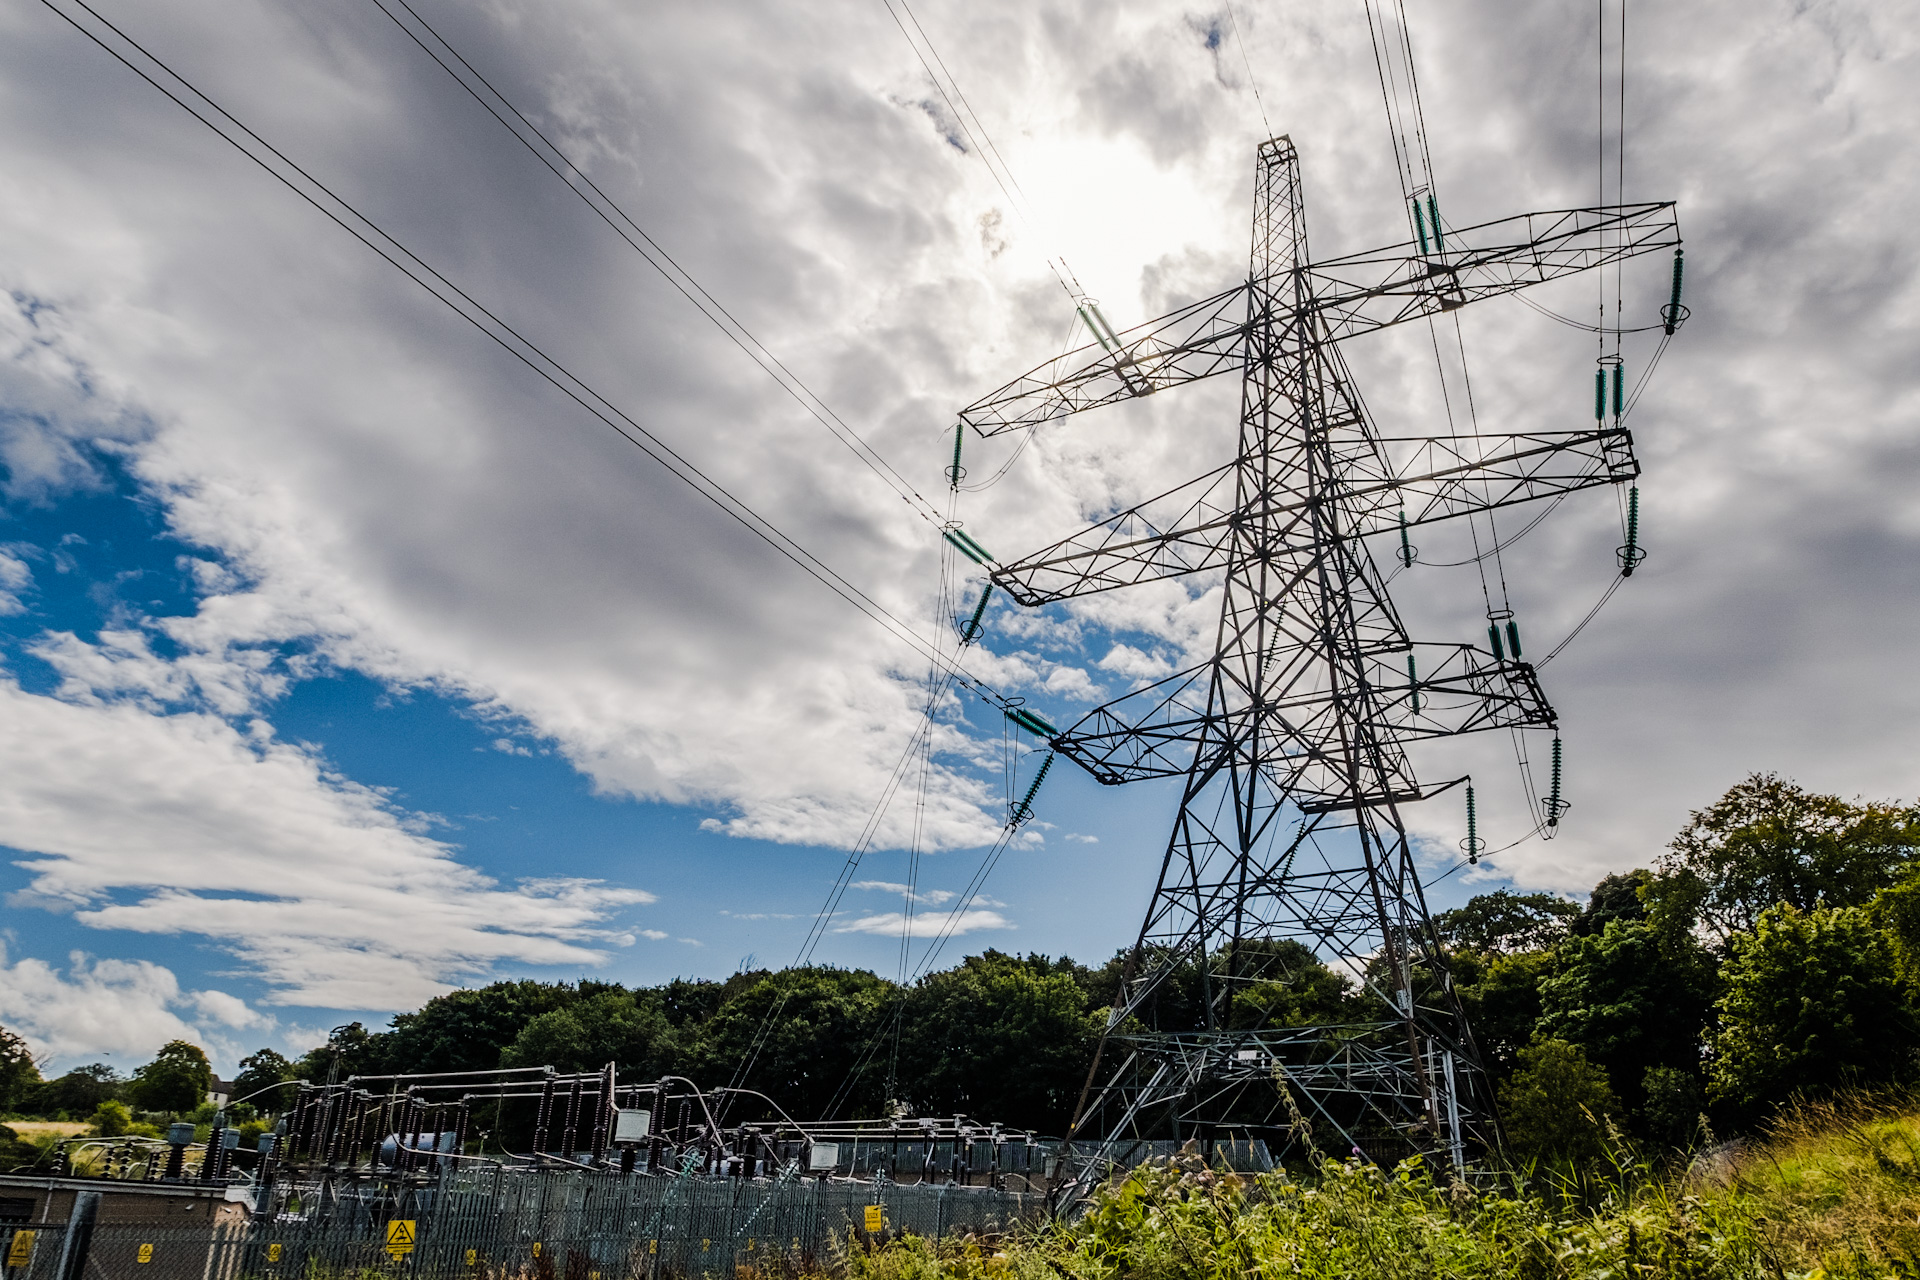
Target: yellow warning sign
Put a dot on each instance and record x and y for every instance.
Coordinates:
(473, 1256)
(273, 1252)
(876, 1221)
(20, 1252)
(400, 1234)
(536, 1248)
(144, 1254)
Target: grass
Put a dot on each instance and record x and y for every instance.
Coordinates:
(1832, 1193)
(38, 1130)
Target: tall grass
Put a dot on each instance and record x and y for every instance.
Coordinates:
(1833, 1193)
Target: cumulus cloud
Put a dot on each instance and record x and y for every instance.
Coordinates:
(172, 824)
(932, 897)
(122, 1010)
(384, 493)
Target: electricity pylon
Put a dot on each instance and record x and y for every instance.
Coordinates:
(1292, 736)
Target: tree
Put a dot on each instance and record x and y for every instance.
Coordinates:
(19, 1074)
(1555, 1106)
(1503, 922)
(78, 1092)
(1767, 840)
(260, 1071)
(1812, 1003)
(351, 1050)
(822, 1043)
(613, 1026)
(1670, 1116)
(177, 1079)
(1616, 897)
(1503, 1005)
(998, 1038)
(1630, 1000)
(466, 1030)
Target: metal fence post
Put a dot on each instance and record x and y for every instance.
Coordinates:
(79, 1234)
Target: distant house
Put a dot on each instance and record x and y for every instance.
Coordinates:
(221, 1091)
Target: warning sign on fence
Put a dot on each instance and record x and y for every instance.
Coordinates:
(876, 1221)
(145, 1254)
(20, 1252)
(273, 1252)
(400, 1235)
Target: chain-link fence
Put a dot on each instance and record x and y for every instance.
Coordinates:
(489, 1224)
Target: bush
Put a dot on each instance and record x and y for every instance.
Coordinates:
(1555, 1106)
(111, 1119)
(1812, 1005)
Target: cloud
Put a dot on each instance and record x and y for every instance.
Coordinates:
(181, 824)
(655, 935)
(385, 494)
(122, 1010)
(932, 897)
(929, 924)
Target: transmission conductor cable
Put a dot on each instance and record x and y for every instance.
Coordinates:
(160, 75)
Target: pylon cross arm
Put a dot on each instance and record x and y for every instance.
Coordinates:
(1191, 529)
(1347, 296)
(1368, 291)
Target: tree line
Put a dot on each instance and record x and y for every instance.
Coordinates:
(1771, 952)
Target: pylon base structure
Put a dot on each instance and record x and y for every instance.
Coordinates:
(1290, 848)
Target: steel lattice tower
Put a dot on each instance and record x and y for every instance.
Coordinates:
(1292, 737)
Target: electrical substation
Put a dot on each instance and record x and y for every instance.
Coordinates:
(1290, 743)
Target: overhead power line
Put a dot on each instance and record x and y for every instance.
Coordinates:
(156, 72)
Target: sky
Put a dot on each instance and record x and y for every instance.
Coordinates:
(344, 661)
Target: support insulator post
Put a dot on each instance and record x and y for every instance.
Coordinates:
(954, 473)
(1619, 391)
(1420, 224)
(1406, 548)
(1433, 212)
(1413, 684)
(1599, 395)
(1513, 638)
(1493, 642)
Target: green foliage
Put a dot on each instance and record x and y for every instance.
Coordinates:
(351, 1050)
(19, 1074)
(1812, 1004)
(466, 1030)
(76, 1093)
(1630, 999)
(612, 1026)
(111, 1119)
(998, 1037)
(828, 1032)
(176, 1080)
(1674, 1101)
(1504, 922)
(1896, 911)
(1768, 840)
(1503, 1005)
(1616, 897)
(260, 1071)
(1554, 1107)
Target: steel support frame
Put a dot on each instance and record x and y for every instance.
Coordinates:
(1290, 737)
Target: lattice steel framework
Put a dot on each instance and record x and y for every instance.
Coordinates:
(1291, 739)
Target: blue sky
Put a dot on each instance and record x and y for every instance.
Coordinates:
(345, 660)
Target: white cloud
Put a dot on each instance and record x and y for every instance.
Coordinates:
(932, 897)
(439, 519)
(930, 924)
(15, 577)
(655, 935)
(118, 1010)
(181, 824)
